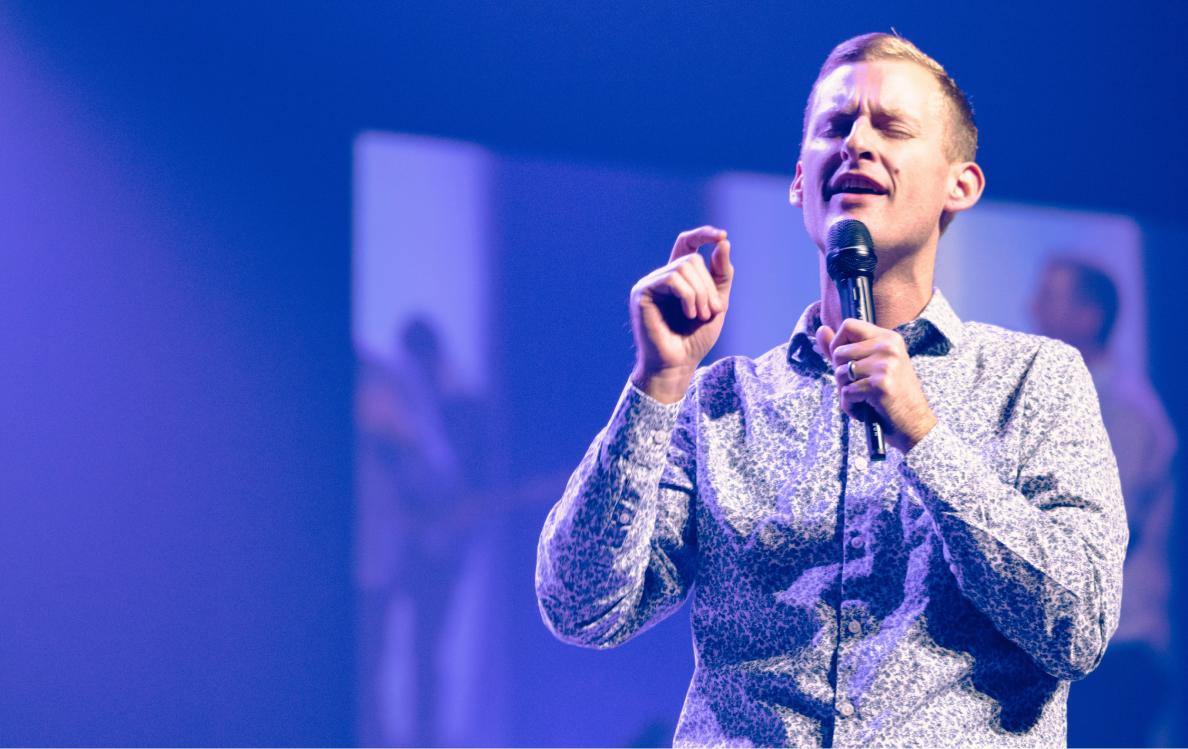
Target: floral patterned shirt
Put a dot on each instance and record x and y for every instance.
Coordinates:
(943, 597)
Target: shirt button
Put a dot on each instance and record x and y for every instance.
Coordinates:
(846, 709)
(624, 517)
(860, 463)
(857, 542)
(659, 436)
(855, 627)
(953, 568)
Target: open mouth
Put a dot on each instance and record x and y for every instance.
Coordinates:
(852, 184)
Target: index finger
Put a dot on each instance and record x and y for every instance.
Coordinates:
(855, 331)
(688, 241)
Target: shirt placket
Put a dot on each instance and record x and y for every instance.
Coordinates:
(854, 622)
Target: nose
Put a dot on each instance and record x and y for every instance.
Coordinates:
(857, 143)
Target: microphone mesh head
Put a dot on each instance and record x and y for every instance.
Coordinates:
(850, 263)
(851, 251)
(849, 233)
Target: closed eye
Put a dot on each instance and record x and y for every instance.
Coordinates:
(895, 125)
(897, 131)
(839, 125)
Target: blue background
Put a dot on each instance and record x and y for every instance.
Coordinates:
(175, 361)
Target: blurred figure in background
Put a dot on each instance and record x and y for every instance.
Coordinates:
(424, 472)
(1121, 703)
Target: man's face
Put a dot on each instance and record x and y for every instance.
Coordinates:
(874, 150)
(1059, 313)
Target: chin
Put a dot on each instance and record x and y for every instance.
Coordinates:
(872, 219)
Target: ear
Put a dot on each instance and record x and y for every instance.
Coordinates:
(796, 191)
(966, 183)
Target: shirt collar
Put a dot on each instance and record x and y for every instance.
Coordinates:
(800, 348)
(941, 316)
(935, 332)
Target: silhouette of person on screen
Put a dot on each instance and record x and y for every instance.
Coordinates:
(423, 464)
(1120, 703)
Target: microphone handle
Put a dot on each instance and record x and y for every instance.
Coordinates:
(857, 303)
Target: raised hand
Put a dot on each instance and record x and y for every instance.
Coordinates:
(677, 313)
(872, 366)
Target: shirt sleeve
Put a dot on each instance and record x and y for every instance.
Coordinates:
(617, 552)
(1040, 553)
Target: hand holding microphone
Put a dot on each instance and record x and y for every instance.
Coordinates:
(875, 377)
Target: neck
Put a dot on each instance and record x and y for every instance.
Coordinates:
(902, 289)
(1092, 354)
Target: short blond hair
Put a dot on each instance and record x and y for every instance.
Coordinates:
(962, 133)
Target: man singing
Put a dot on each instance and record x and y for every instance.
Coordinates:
(947, 595)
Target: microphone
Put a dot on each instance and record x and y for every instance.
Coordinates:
(851, 264)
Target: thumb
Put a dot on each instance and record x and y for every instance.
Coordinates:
(720, 267)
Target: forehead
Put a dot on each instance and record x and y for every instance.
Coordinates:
(1059, 276)
(883, 86)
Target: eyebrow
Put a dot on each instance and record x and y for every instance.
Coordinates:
(897, 114)
(850, 109)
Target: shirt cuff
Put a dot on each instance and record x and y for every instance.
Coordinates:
(941, 459)
(645, 424)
